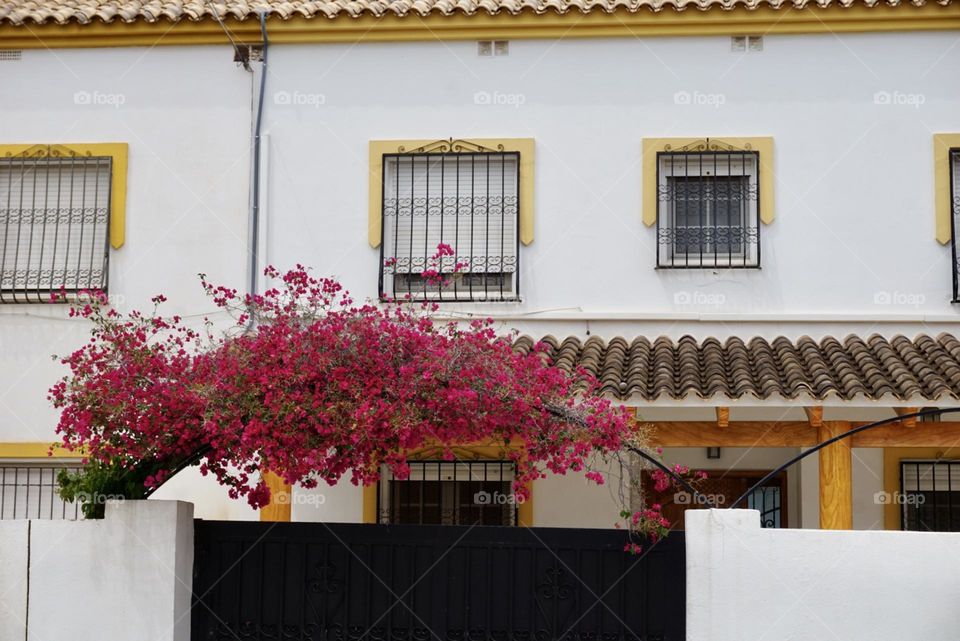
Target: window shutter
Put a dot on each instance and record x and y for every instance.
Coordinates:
(54, 226)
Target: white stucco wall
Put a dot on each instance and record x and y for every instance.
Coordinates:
(128, 576)
(748, 583)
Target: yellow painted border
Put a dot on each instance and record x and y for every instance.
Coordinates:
(942, 144)
(492, 452)
(891, 474)
(281, 496)
(483, 26)
(36, 450)
(650, 147)
(525, 146)
(117, 151)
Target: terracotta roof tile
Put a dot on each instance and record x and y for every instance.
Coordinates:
(925, 367)
(85, 11)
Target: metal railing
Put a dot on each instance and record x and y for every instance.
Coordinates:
(468, 201)
(30, 492)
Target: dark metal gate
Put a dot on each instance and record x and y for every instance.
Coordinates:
(352, 582)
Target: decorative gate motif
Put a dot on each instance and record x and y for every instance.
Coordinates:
(351, 582)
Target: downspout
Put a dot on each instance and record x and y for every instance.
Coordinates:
(255, 187)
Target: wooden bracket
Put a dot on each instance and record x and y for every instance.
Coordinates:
(723, 416)
(814, 416)
(908, 422)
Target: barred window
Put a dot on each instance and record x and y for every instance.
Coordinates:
(54, 222)
(708, 209)
(469, 201)
(450, 493)
(929, 499)
(955, 219)
(30, 491)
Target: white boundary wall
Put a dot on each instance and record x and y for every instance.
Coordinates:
(745, 583)
(127, 577)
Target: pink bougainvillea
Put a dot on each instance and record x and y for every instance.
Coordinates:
(316, 387)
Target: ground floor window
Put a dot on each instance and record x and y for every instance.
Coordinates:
(449, 493)
(29, 491)
(930, 496)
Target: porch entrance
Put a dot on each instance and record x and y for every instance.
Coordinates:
(353, 582)
(770, 499)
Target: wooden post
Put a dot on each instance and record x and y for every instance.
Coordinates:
(836, 488)
(280, 497)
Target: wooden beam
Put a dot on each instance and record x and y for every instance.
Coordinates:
(796, 434)
(907, 422)
(723, 416)
(815, 416)
(280, 499)
(836, 486)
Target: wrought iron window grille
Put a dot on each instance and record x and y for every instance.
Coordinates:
(708, 206)
(459, 194)
(929, 499)
(441, 492)
(54, 224)
(955, 219)
(31, 492)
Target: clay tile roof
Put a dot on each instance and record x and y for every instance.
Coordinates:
(924, 368)
(18, 12)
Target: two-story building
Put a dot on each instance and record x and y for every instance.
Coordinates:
(739, 215)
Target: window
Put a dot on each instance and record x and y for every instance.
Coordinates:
(450, 493)
(29, 491)
(55, 211)
(467, 200)
(929, 499)
(708, 208)
(955, 219)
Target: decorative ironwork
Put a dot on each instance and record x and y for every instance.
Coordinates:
(30, 492)
(707, 144)
(54, 223)
(460, 492)
(955, 219)
(433, 583)
(450, 145)
(461, 195)
(708, 206)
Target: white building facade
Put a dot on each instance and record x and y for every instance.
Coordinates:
(709, 174)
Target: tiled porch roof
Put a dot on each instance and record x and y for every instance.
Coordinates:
(873, 368)
(86, 11)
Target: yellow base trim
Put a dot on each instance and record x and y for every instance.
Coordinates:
(483, 26)
(378, 148)
(891, 474)
(37, 450)
(762, 144)
(942, 144)
(281, 494)
(117, 151)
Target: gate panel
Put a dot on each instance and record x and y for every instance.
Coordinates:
(352, 582)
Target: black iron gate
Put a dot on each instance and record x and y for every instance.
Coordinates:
(351, 582)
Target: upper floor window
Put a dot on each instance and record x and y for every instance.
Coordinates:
(469, 201)
(708, 208)
(955, 219)
(450, 493)
(54, 224)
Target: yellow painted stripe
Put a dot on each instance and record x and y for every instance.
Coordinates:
(35, 450)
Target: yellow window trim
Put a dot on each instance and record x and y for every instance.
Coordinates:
(891, 474)
(719, 21)
(36, 450)
(462, 452)
(942, 144)
(378, 148)
(651, 146)
(117, 151)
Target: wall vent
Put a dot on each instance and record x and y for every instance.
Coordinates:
(10, 55)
